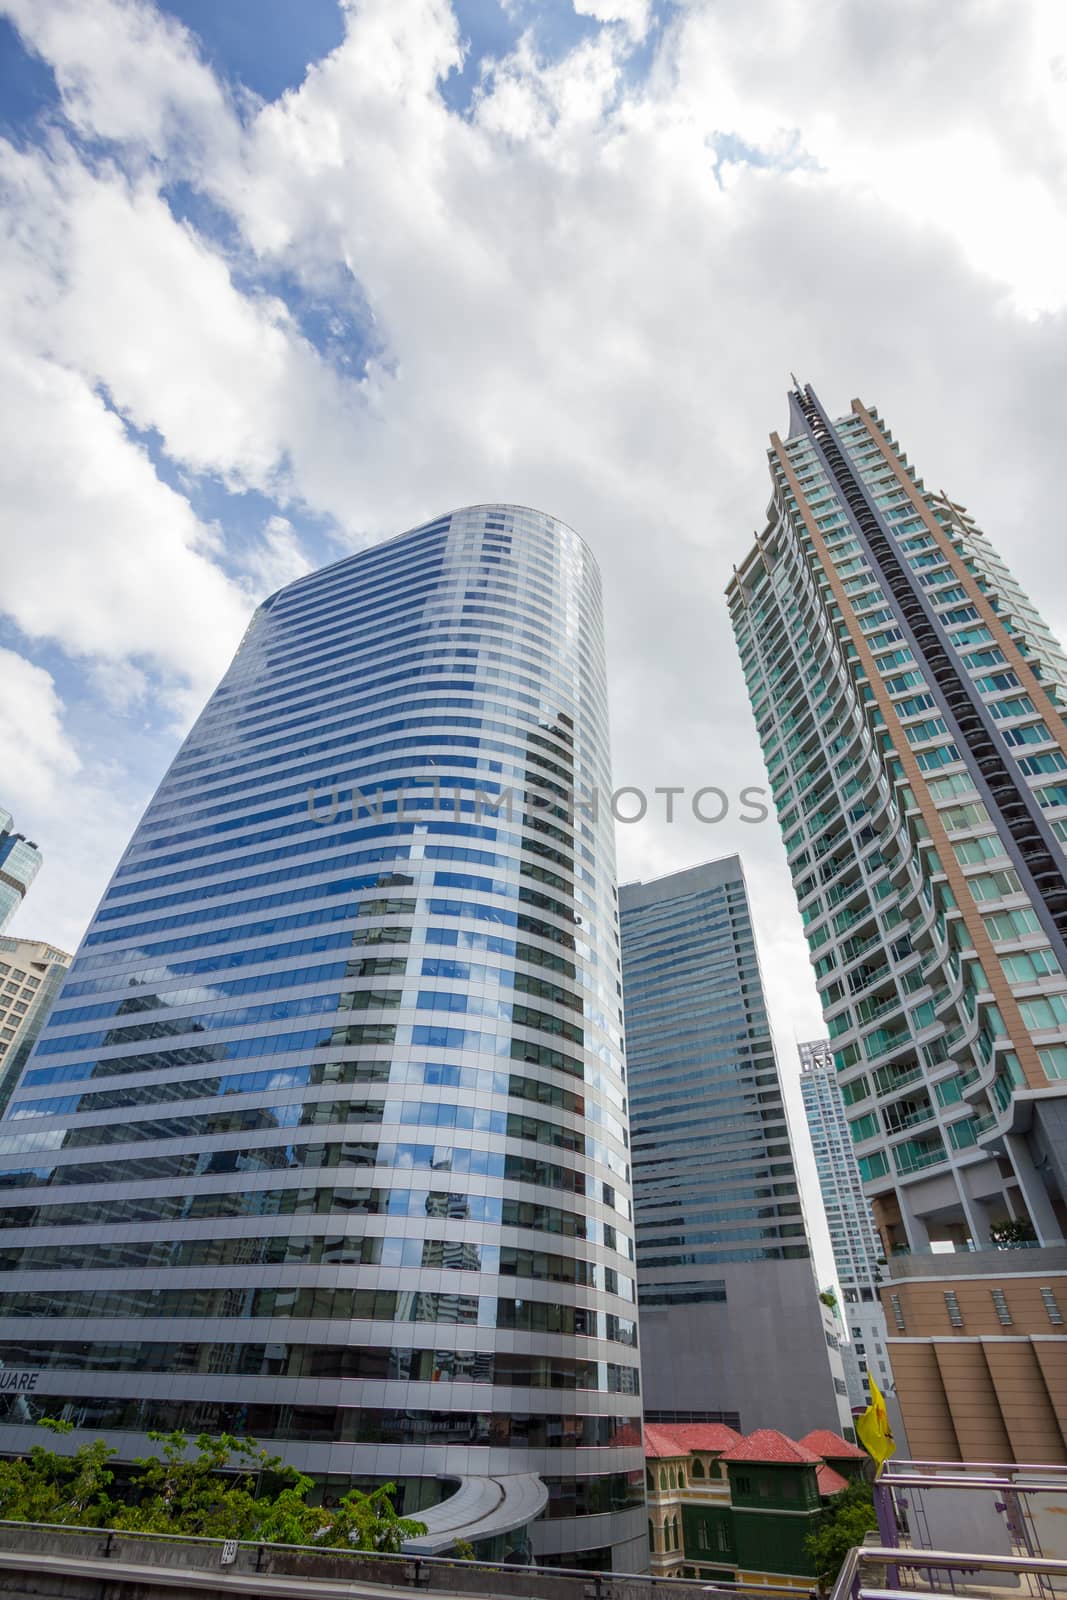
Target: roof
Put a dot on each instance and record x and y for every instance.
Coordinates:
(831, 1446)
(829, 1481)
(480, 1508)
(768, 1445)
(682, 1438)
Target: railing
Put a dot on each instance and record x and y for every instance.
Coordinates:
(144, 1561)
(874, 1571)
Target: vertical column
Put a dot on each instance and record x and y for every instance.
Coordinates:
(1044, 1219)
(914, 1226)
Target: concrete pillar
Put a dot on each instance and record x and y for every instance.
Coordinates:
(977, 1219)
(1044, 1219)
(914, 1226)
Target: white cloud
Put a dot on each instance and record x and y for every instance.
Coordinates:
(278, 559)
(575, 309)
(127, 72)
(634, 14)
(31, 716)
(99, 553)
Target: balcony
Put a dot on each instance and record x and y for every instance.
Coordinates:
(907, 1119)
(917, 1154)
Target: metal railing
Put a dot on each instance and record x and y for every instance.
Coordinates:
(888, 1560)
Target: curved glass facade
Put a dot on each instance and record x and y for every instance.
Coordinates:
(326, 1138)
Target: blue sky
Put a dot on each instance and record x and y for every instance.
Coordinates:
(562, 252)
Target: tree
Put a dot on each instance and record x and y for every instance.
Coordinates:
(1012, 1233)
(203, 1495)
(845, 1523)
(48, 1487)
(230, 1489)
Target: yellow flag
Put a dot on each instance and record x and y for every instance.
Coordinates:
(872, 1429)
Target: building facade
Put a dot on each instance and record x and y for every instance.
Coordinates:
(723, 1257)
(325, 1142)
(20, 862)
(854, 1239)
(740, 1510)
(910, 703)
(30, 977)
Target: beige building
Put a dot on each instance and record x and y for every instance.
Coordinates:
(30, 975)
(911, 706)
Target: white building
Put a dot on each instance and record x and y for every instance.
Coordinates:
(853, 1236)
(30, 975)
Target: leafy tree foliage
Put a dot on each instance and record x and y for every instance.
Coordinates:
(846, 1522)
(230, 1489)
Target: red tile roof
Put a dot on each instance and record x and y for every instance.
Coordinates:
(829, 1481)
(831, 1446)
(768, 1445)
(681, 1438)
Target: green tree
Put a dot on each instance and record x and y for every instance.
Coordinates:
(48, 1487)
(230, 1489)
(203, 1494)
(846, 1522)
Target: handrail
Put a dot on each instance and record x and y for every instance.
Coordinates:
(602, 1580)
(848, 1585)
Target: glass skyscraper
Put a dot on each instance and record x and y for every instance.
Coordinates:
(20, 862)
(325, 1141)
(723, 1260)
(910, 702)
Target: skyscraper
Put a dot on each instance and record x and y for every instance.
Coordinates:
(326, 1139)
(910, 703)
(20, 862)
(853, 1235)
(30, 975)
(723, 1262)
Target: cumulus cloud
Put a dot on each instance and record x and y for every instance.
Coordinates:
(634, 14)
(31, 716)
(585, 292)
(276, 559)
(101, 555)
(126, 71)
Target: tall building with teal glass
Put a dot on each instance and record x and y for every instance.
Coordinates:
(20, 862)
(912, 706)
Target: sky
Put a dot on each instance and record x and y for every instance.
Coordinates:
(278, 281)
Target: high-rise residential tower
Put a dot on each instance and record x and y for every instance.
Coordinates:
(325, 1142)
(910, 703)
(853, 1235)
(20, 862)
(723, 1261)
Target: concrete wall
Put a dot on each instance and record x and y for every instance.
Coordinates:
(983, 1390)
(54, 1562)
(763, 1352)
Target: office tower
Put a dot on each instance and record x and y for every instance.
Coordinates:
(20, 862)
(723, 1263)
(853, 1236)
(325, 1142)
(909, 700)
(30, 975)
